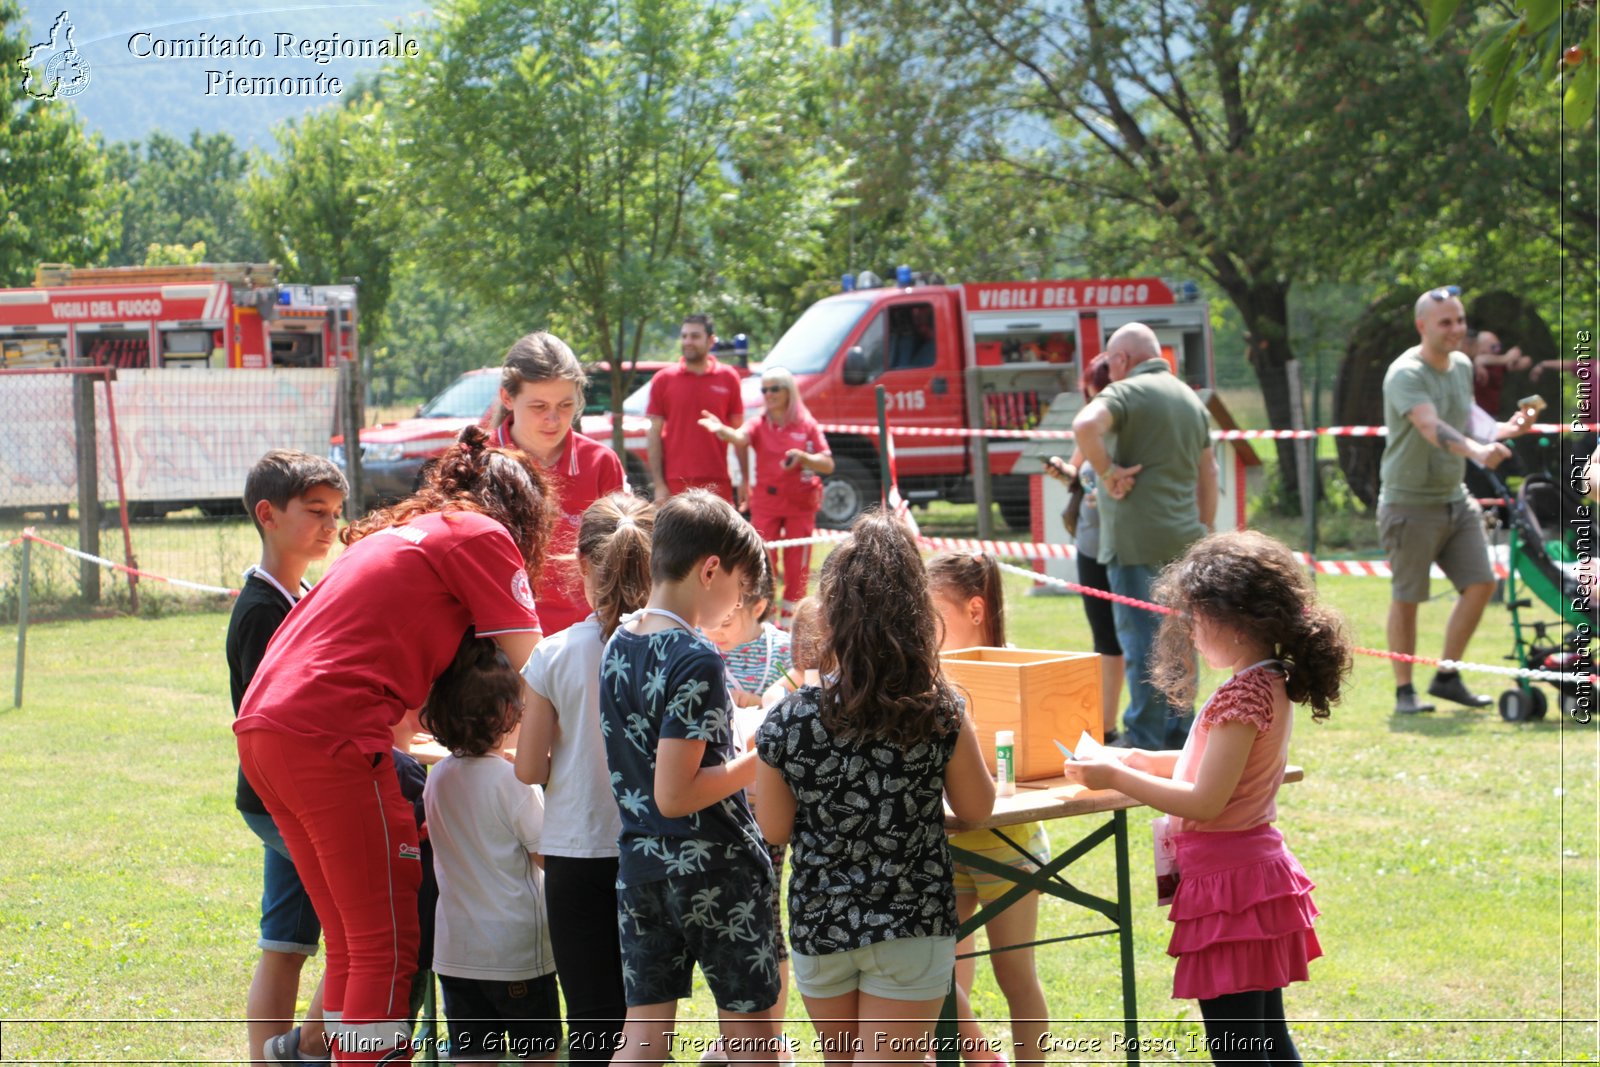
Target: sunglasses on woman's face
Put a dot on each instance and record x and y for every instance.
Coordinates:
(773, 389)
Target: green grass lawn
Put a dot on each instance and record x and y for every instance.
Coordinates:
(1455, 857)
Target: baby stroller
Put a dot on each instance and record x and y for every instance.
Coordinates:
(1544, 543)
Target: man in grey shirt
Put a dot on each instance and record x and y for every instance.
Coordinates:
(1424, 513)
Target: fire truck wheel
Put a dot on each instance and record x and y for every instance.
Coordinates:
(846, 493)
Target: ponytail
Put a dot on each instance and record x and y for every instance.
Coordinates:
(614, 539)
(965, 575)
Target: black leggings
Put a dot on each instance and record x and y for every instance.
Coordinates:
(581, 897)
(1248, 1028)
(1092, 573)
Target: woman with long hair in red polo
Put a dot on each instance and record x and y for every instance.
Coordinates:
(315, 731)
(541, 398)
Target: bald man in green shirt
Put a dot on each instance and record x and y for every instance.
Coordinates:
(1147, 436)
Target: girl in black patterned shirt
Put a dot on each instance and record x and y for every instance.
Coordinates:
(855, 771)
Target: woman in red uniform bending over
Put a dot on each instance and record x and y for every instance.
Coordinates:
(365, 644)
(790, 454)
(541, 397)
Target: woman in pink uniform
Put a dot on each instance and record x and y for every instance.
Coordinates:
(791, 453)
(316, 727)
(541, 398)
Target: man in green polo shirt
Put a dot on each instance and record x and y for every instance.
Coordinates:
(1148, 438)
(1424, 513)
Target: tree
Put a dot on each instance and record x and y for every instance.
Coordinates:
(437, 332)
(326, 207)
(920, 189)
(601, 168)
(53, 207)
(177, 193)
(1527, 46)
(1259, 144)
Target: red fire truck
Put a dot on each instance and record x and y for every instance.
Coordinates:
(233, 315)
(990, 355)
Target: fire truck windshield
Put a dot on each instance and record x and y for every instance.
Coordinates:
(468, 397)
(808, 345)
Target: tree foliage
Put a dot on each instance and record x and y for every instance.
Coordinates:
(1258, 144)
(173, 192)
(326, 209)
(1525, 47)
(602, 168)
(433, 332)
(53, 201)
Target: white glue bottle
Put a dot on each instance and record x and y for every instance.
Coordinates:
(1005, 765)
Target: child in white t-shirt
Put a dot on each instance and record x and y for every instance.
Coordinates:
(560, 748)
(491, 946)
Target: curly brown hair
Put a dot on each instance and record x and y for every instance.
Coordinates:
(882, 636)
(1251, 583)
(476, 701)
(506, 485)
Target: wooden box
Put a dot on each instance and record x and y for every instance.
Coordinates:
(1040, 696)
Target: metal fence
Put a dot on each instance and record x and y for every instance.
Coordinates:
(145, 468)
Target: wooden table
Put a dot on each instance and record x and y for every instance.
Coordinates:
(1052, 800)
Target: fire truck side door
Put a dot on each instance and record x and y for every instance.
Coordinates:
(911, 349)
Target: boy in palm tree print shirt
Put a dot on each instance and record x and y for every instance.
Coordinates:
(693, 875)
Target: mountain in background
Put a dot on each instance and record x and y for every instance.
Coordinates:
(129, 95)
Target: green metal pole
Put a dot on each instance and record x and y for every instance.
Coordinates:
(22, 619)
(1130, 994)
(883, 441)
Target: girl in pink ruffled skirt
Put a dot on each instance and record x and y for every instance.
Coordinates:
(1242, 912)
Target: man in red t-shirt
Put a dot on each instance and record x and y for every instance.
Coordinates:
(684, 455)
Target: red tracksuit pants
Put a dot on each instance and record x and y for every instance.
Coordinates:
(354, 840)
(779, 525)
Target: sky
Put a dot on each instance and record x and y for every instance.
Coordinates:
(140, 80)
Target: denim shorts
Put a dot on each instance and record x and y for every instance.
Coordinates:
(721, 919)
(908, 968)
(495, 1020)
(288, 921)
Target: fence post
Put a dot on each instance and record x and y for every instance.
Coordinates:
(88, 485)
(22, 618)
(982, 488)
(885, 446)
(1305, 456)
(350, 420)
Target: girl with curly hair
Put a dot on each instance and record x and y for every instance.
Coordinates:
(1242, 911)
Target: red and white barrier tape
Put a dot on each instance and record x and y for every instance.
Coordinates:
(29, 535)
(867, 430)
(959, 544)
(1348, 568)
(1530, 673)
